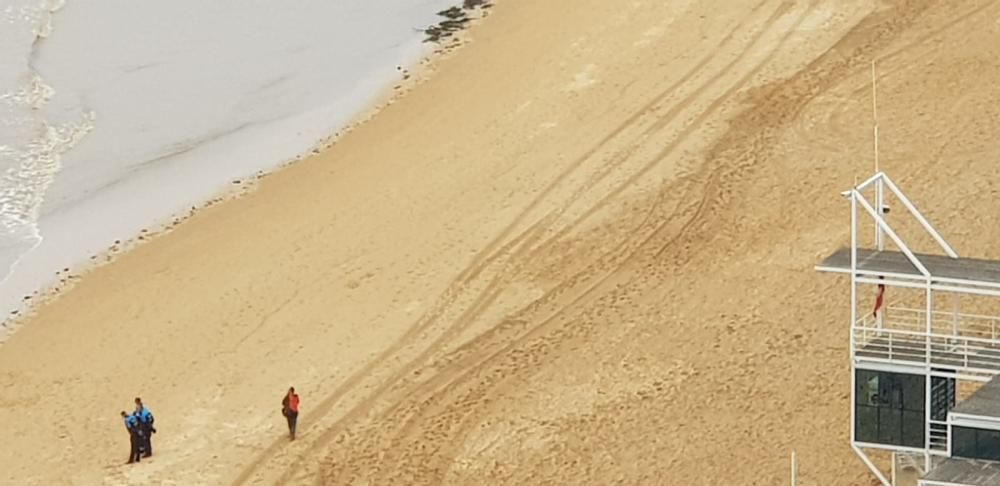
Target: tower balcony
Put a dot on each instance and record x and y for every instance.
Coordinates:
(956, 342)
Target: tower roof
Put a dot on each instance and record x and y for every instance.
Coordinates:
(967, 271)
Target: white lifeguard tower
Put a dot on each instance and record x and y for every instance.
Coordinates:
(924, 374)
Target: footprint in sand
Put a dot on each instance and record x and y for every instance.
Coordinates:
(649, 36)
(413, 306)
(583, 79)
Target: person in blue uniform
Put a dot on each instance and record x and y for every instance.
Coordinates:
(134, 437)
(145, 425)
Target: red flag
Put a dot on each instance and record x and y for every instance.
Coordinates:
(878, 300)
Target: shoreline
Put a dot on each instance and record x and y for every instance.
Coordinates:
(419, 71)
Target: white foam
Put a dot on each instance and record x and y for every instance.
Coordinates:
(164, 103)
(30, 146)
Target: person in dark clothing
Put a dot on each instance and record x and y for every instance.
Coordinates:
(290, 409)
(145, 425)
(134, 437)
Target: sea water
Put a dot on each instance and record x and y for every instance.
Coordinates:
(117, 114)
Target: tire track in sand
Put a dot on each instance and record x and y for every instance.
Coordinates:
(494, 289)
(647, 132)
(490, 254)
(658, 231)
(742, 80)
(745, 135)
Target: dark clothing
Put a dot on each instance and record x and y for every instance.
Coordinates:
(135, 438)
(290, 409)
(145, 419)
(147, 436)
(293, 418)
(135, 443)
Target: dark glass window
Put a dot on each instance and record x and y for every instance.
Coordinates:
(889, 408)
(866, 424)
(943, 396)
(890, 425)
(988, 444)
(963, 442)
(913, 392)
(913, 428)
(975, 443)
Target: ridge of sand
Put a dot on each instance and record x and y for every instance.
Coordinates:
(580, 254)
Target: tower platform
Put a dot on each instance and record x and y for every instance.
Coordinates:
(968, 271)
(956, 471)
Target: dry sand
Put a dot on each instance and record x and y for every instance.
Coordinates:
(580, 254)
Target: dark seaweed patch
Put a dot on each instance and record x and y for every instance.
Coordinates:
(455, 19)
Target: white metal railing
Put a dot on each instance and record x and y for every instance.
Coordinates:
(938, 439)
(944, 322)
(956, 341)
(953, 352)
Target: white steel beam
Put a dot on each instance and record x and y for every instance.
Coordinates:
(946, 313)
(864, 185)
(974, 421)
(893, 468)
(921, 278)
(891, 366)
(886, 447)
(854, 302)
(971, 283)
(927, 380)
(870, 464)
(934, 286)
(879, 206)
(919, 216)
(892, 234)
(897, 366)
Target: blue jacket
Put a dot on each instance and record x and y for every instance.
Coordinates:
(145, 415)
(131, 422)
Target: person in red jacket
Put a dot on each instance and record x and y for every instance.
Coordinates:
(879, 300)
(290, 409)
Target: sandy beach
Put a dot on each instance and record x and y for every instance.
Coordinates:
(580, 252)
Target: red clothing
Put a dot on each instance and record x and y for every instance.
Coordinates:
(878, 300)
(293, 403)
